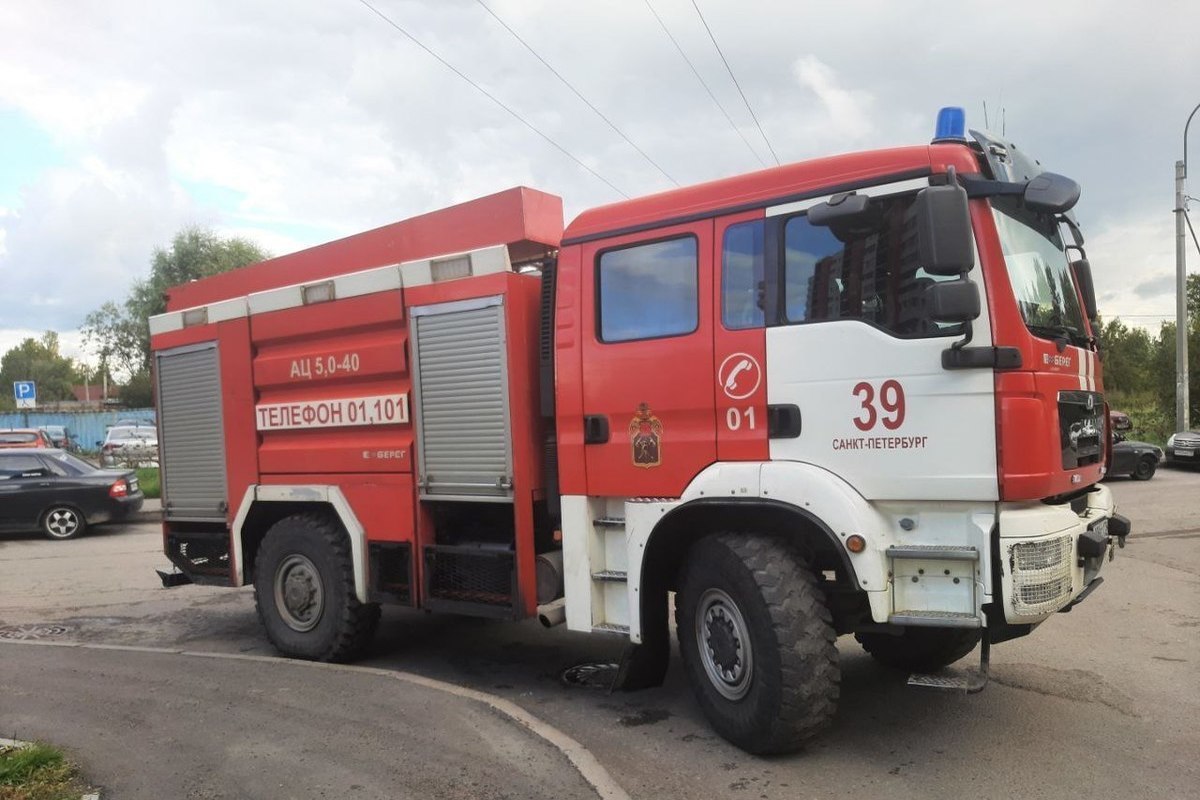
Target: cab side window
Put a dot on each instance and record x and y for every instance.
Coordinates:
(869, 273)
(648, 291)
(743, 282)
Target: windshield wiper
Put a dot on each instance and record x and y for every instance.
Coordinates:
(1065, 332)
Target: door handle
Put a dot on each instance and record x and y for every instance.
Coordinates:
(595, 429)
(783, 421)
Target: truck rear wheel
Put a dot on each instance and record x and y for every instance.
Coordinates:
(757, 642)
(920, 649)
(304, 591)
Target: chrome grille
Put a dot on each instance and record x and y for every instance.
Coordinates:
(1041, 575)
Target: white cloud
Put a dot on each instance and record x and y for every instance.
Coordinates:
(1133, 260)
(847, 113)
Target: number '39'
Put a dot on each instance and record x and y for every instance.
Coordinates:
(886, 405)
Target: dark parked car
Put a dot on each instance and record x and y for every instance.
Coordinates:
(61, 494)
(1138, 460)
(1184, 448)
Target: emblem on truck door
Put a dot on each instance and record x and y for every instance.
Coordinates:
(645, 436)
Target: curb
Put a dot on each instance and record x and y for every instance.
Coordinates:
(151, 511)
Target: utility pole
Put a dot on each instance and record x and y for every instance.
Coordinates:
(1182, 423)
(1182, 408)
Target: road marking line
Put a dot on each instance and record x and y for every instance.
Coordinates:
(586, 764)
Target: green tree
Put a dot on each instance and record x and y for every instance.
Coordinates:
(1128, 357)
(119, 335)
(38, 360)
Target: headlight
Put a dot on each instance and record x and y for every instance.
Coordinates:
(1171, 440)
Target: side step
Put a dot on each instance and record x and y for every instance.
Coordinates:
(935, 619)
(615, 575)
(611, 627)
(969, 681)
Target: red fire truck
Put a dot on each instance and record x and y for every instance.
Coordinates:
(858, 394)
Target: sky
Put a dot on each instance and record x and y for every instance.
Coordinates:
(294, 122)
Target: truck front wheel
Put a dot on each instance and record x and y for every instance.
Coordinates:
(757, 642)
(920, 649)
(304, 591)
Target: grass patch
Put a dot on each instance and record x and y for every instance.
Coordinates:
(37, 772)
(149, 481)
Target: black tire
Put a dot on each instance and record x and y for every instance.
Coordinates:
(304, 591)
(1145, 469)
(63, 522)
(756, 596)
(920, 649)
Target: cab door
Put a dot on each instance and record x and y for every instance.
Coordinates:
(648, 368)
(854, 350)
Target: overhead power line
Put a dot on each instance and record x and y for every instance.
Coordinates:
(492, 97)
(704, 83)
(577, 93)
(735, 81)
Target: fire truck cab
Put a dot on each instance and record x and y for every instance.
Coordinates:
(858, 394)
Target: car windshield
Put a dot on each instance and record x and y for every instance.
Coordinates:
(130, 433)
(68, 464)
(18, 437)
(1039, 272)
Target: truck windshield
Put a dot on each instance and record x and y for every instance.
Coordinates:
(1039, 272)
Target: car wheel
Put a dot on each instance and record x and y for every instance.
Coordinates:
(304, 591)
(1145, 469)
(757, 642)
(63, 522)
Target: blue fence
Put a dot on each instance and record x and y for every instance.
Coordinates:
(85, 427)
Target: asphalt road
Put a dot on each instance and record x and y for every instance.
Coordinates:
(1101, 702)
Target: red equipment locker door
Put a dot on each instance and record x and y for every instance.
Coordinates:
(648, 403)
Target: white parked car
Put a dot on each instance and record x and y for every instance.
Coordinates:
(129, 446)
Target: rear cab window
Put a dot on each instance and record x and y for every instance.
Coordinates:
(648, 291)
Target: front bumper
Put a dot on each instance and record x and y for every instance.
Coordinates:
(1051, 553)
(1183, 455)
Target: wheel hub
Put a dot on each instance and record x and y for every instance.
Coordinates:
(299, 597)
(62, 522)
(724, 644)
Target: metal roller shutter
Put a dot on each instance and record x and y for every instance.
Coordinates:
(192, 446)
(461, 392)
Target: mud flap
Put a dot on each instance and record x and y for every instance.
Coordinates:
(644, 665)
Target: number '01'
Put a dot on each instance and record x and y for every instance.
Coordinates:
(890, 402)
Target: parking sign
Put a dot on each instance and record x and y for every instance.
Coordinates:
(26, 394)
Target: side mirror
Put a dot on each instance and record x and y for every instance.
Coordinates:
(952, 301)
(1083, 276)
(1056, 194)
(944, 242)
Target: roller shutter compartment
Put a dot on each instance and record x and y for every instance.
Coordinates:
(461, 387)
(192, 446)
